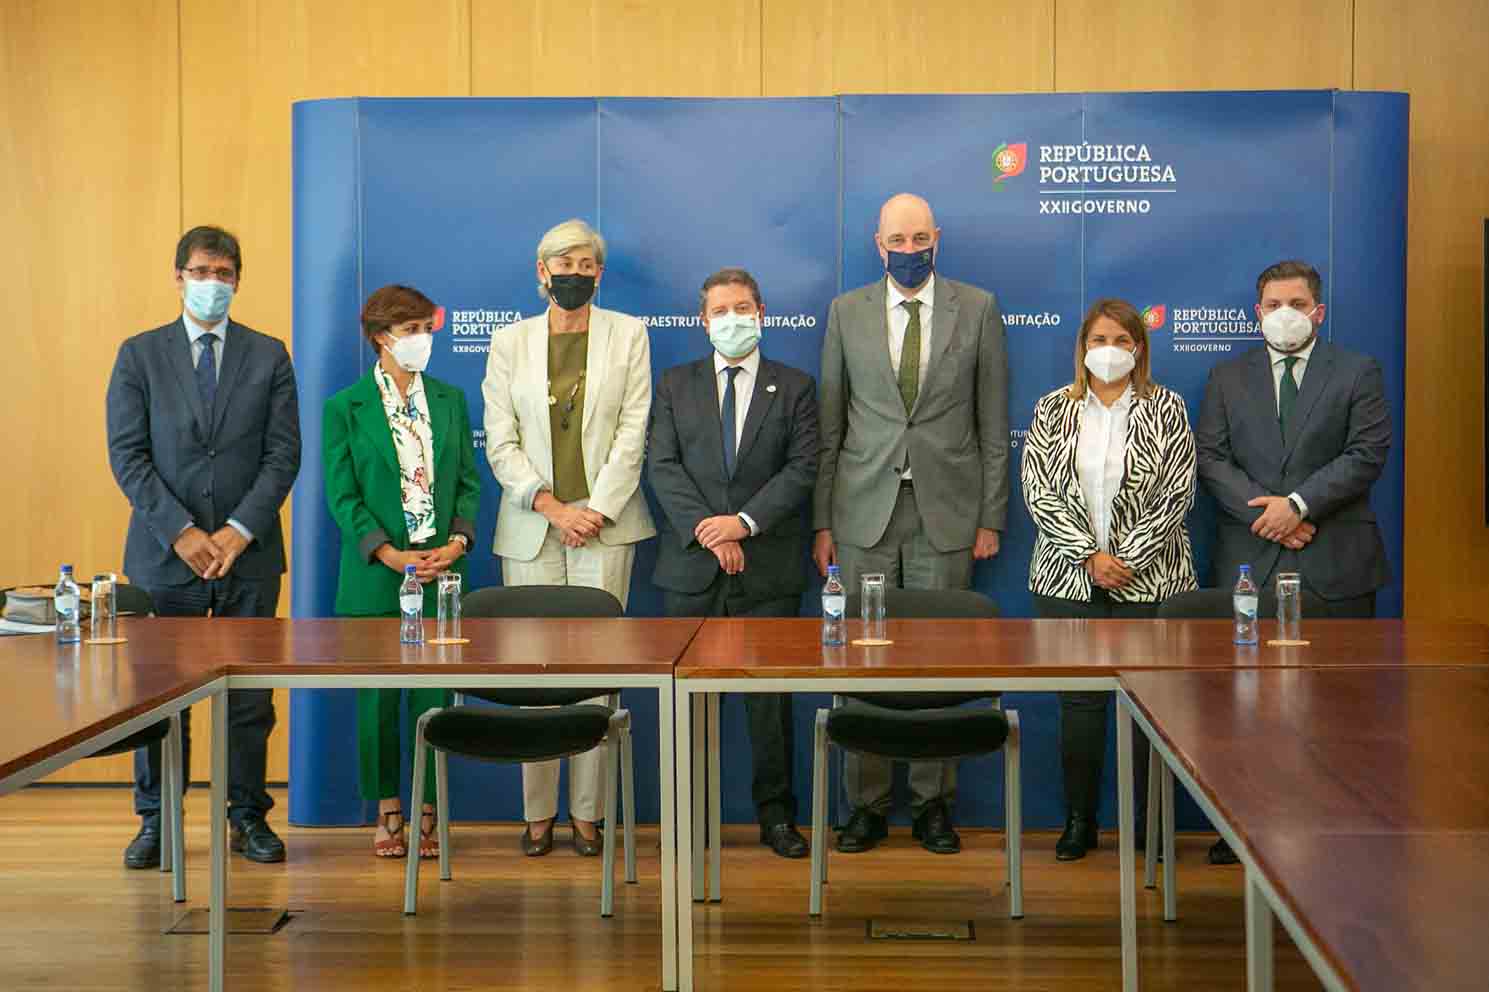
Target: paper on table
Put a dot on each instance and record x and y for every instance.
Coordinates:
(8, 627)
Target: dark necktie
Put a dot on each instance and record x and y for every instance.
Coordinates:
(206, 372)
(910, 357)
(1287, 393)
(726, 418)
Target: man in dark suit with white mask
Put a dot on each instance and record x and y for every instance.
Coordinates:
(732, 460)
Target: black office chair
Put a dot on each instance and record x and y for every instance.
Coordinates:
(1215, 604)
(921, 726)
(167, 733)
(510, 734)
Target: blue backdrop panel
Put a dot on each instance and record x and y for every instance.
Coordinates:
(682, 194)
(1172, 201)
(421, 207)
(1367, 302)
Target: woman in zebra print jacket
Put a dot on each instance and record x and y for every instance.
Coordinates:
(1108, 475)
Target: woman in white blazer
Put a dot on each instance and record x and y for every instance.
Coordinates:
(567, 394)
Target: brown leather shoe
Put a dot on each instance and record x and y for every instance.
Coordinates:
(589, 848)
(537, 848)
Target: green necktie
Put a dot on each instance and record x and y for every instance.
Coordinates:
(1287, 393)
(910, 357)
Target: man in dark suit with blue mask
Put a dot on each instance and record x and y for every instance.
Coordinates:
(732, 460)
(204, 440)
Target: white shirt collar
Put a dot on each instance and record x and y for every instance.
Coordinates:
(751, 363)
(1123, 402)
(1304, 354)
(195, 330)
(926, 294)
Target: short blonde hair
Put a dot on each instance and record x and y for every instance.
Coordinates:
(1126, 315)
(564, 238)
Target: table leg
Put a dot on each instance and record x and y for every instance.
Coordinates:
(1170, 863)
(715, 805)
(1125, 843)
(666, 759)
(1258, 938)
(684, 807)
(217, 927)
(1150, 842)
(696, 743)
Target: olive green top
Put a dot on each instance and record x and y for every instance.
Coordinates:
(567, 356)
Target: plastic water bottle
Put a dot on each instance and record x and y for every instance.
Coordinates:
(834, 604)
(65, 600)
(1245, 600)
(411, 606)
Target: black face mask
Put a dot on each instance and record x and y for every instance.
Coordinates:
(572, 291)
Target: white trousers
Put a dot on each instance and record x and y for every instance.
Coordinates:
(599, 566)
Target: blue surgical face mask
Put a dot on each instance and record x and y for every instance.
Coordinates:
(734, 335)
(208, 299)
(911, 268)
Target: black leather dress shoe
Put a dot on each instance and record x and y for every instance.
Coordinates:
(253, 839)
(933, 829)
(1221, 854)
(1079, 837)
(864, 830)
(539, 846)
(144, 850)
(784, 839)
(589, 847)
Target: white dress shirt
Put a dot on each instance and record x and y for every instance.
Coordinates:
(744, 389)
(1100, 458)
(1299, 367)
(899, 322)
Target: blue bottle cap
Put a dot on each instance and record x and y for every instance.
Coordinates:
(67, 569)
(408, 570)
(1246, 569)
(833, 570)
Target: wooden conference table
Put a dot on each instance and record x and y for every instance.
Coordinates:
(1357, 800)
(753, 655)
(77, 699)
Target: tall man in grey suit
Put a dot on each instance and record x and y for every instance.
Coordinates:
(914, 472)
(1289, 441)
(732, 459)
(204, 439)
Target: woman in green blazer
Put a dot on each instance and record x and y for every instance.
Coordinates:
(402, 484)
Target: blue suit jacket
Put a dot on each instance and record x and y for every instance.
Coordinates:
(179, 463)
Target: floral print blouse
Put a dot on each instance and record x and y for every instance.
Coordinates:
(413, 440)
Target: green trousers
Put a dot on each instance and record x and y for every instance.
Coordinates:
(379, 747)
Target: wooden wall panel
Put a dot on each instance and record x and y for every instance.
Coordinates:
(1440, 55)
(879, 46)
(89, 206)
(1202, 44)
(615, 48)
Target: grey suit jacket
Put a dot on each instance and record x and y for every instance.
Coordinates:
(179, 463)
(955, 438)
(775, 466)
(1334, 451)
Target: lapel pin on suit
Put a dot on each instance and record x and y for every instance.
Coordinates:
(770, 388)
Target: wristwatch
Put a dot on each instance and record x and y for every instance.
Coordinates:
(464, 541)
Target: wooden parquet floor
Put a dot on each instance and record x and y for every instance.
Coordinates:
(74, 918)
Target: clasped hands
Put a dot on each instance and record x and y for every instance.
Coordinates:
(428, 565)
(721, 535)
(576, 524)
(210, 556)
(1278, 523)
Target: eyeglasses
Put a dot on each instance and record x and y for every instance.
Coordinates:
(568, 413)
(220, 273)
